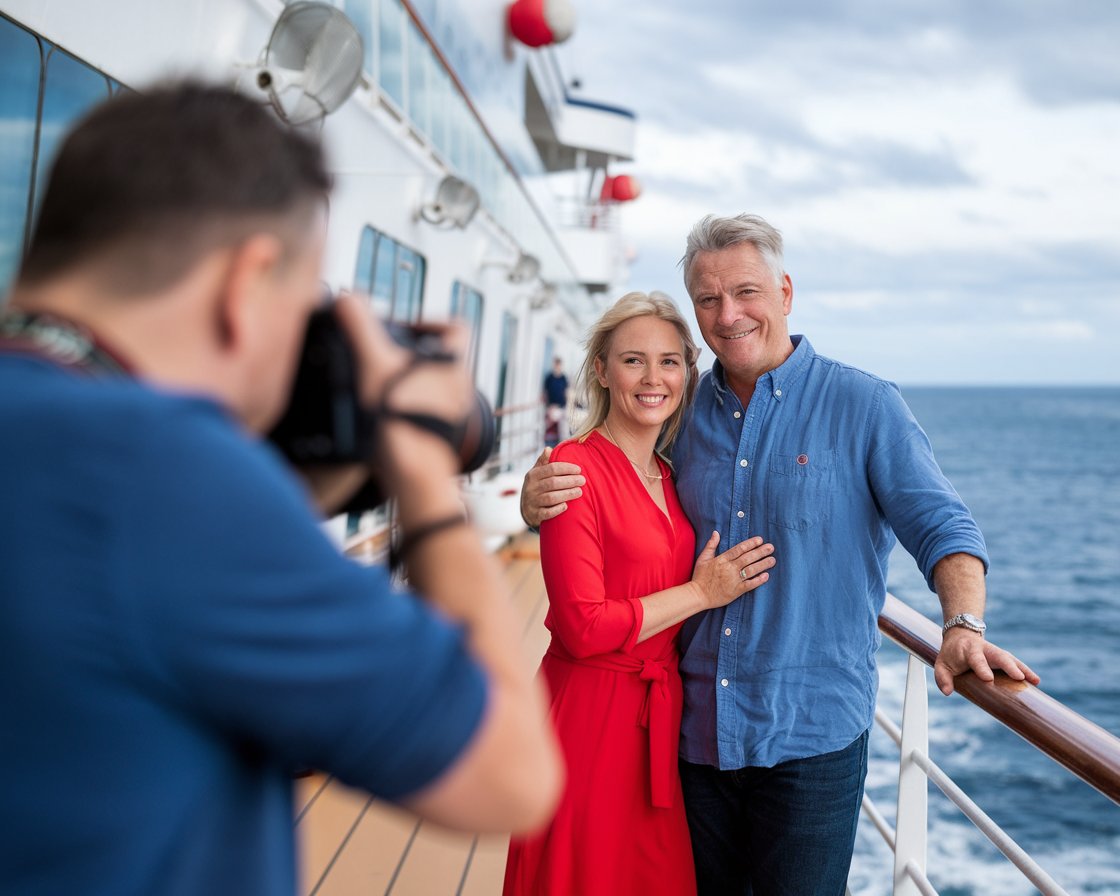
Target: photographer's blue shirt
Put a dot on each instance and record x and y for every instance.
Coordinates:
(176, 635)
(828, 464)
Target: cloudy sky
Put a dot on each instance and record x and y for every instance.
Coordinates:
(946, 174)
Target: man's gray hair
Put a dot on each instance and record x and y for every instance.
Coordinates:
(713, 233)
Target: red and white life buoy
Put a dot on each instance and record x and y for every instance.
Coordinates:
(539, 22)
(620, 188)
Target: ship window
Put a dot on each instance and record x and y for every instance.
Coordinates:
(419, 272)
(71, 88)
(390, 73)
(441, 106)
(509, 341)
(419, 92)
(410, 276)
(384, 266)
(20, 63)
(460, 127)
(391, 274)
(30, 130)
(466, 305)
(360, 12)
(363, 273)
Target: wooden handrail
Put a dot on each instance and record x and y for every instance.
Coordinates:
(518, 408)
(1071, 740)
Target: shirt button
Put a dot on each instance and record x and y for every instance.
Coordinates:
(724, 682)
(778, 392)
(740, 514)
(727, 631)
(742, 463)
(737, 415)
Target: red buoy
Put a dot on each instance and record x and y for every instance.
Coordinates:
(539, 22)
(620, 188)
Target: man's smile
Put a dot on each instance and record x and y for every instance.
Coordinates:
(740, 334)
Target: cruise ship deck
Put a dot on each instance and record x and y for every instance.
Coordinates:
(350, 843)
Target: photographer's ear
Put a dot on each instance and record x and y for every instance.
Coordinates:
(248, 291)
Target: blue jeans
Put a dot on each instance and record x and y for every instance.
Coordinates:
(783, 831)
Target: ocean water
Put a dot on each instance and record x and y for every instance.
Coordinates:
(1040, 470)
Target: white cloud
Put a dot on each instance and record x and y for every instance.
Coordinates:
(853, 300)
(944, 175)
(1052, 330)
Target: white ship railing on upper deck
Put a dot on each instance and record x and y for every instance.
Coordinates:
(1077, 744)
(588, 213)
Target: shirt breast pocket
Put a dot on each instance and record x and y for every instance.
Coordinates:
(800, 488)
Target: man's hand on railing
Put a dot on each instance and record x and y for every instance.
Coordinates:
(963, 650)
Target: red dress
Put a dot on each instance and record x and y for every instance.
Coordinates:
(616, 704)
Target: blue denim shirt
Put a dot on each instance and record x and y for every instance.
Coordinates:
(828, 464)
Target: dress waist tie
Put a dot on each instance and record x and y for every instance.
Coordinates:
(656, 714)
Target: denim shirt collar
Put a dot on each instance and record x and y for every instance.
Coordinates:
(777, 380)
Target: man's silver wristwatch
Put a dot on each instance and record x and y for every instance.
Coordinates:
(967, 620)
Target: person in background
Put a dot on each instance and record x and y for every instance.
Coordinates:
(622, 576)
(828, 463)
(554, 394)
(177, 634)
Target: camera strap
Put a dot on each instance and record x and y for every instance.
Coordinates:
(63, 341)
(451, 433)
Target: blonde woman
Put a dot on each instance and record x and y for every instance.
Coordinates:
(621, 578)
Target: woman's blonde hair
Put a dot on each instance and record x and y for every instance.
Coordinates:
(595, 395)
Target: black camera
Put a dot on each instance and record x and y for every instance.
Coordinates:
(325, 422)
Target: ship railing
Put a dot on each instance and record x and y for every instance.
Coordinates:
(492, 493)
(520, 437)
(1088, 751)
(587, 214)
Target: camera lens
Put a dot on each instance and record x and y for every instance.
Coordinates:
(479, 435)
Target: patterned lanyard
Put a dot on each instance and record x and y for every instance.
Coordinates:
(62, 341)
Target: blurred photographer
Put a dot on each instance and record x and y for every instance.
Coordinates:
(177, 633)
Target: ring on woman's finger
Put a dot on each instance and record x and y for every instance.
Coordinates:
(743, 573)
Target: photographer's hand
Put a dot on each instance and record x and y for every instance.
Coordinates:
(393, 378)
(432, 389)
(334, 485)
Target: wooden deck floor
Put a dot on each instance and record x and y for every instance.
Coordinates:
(352, 844)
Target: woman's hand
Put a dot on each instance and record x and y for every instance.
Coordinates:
(715, 582)
(739, 569)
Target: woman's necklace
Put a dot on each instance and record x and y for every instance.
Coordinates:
(652, 476)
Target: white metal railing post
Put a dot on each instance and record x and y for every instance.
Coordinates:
(913, 788)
